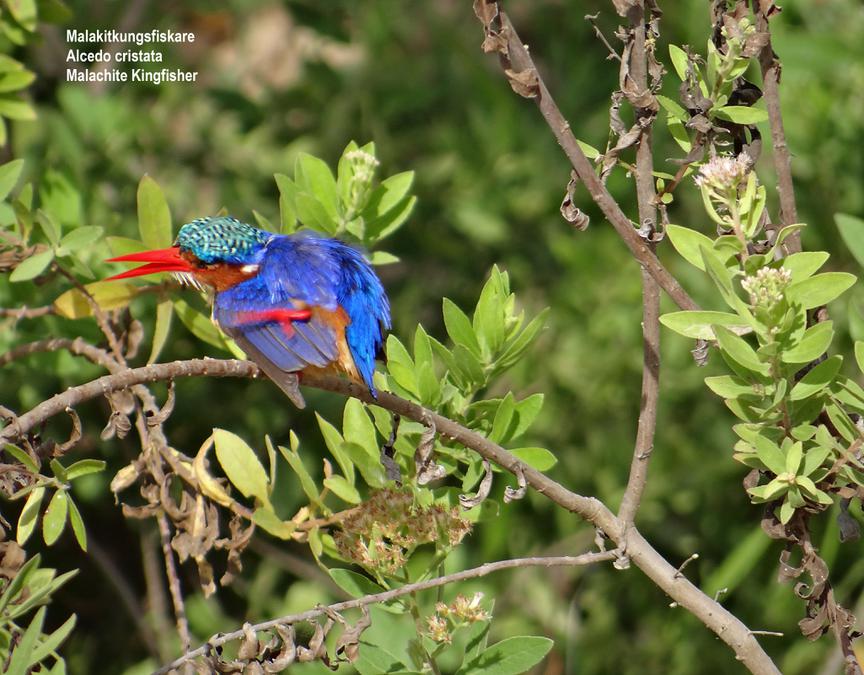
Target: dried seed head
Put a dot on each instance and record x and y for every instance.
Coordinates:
(384, 529)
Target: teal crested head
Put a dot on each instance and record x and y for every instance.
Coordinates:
(222, 239)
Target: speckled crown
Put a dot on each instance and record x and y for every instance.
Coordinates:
(221, 239)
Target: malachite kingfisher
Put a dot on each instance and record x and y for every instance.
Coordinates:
(294, 303)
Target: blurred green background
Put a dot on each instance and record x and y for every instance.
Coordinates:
(279, 78)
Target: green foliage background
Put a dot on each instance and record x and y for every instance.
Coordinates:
(489, 179)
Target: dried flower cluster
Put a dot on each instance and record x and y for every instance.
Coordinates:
(383, 531)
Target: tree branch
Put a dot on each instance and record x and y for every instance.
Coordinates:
(725, 624)
(174, 584)
(518, 65)
(386, 596)
(638, 68)
(770, 66)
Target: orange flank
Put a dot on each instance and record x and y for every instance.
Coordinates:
(337, 320)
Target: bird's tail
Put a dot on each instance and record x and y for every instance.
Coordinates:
(287, 382)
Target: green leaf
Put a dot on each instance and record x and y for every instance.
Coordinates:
(727, 386)
(333, 439)
(820, 289)
(354, 584)
(83, 467)
(513, 656)
(241, 466)
(22, 457)
(503, 418)
(740, 114)
(77, 523)
(679, 61)
(393, 189)
(313, 175)
(804, 264)
(22, 654)
(11, 82)
(29, 515)
(817, 379)
(16, 108)
(293, 458)
(54, 520)
(859, 354)
(164, 313)
(9, 175)
(765, 493)
(32, 266)
(53, 641)
(400, 365)
(852, 231)
(312, 213)
(739, 351)
(679, 133)
(154, 216)
(488, 320)
(769, 454)
(720, 276)
(80, 237)
(267, 519)
(517, 345)
(342, 489)
(537, 458)
(358, 427)
(428, 383)
(24, 12)
(689, 243)
(697, 324)
(813, 344)
(675, 110)
(526, 412)
(459, 327)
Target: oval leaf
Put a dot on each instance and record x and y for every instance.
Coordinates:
(241, 465)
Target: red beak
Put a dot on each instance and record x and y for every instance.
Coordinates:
(159, 260)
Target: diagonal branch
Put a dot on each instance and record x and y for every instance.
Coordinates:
(386, 596)
(525, 78)
(716, 617)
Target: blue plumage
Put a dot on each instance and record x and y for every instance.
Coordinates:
(272, 273)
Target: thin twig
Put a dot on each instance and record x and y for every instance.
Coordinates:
(174, 583)
(26, 312)
(770, 66)
(78, 346)
(645, 195)
(386, 596)
(717, 618)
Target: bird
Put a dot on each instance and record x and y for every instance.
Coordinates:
(296, 303)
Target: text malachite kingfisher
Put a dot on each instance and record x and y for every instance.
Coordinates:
(294, 303)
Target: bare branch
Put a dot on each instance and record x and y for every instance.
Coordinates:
(174, 583)
(25, 312)
(638, 67)
(78, 346)
(386, 596)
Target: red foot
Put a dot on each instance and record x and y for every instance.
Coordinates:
(284, 316)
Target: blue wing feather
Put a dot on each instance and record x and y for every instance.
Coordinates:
(308, 271)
